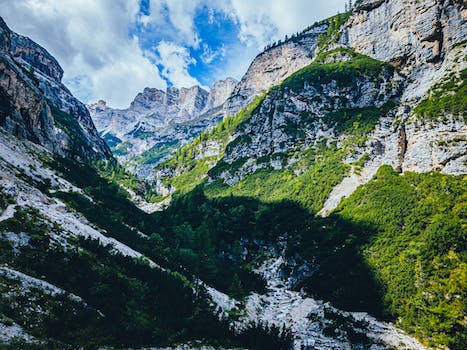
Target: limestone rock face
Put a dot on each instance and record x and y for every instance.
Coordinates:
(426, 43)
(274, 65)
(30, 89)
(292, 119)
(219, 93)
(408, 33)
(38, 57)
(23, 108)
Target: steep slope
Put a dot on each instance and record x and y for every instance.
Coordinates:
(37, 106)
(275, 64)
(386, 87)
(158, 122)
(68, 280)
(335, 100)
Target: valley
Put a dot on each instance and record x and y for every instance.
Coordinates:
(317, 203)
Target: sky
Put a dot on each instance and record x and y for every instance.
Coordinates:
(113, 49)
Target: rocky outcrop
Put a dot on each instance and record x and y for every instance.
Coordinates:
(407, 33)
(31, 96)
(292, 118)
(273, 65)
(35, 55)
(308, 317)
(23, 108)
(219, 93)
(182, 103)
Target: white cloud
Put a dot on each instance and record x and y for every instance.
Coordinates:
(90, 39)
(263, 21)
(175, 61)
(210, 55)
(177, 13)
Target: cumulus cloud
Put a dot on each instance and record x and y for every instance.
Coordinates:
(175, 61)
(108, 51)
(262, 21)
(90, 39)
(176, 14)
(210, 55)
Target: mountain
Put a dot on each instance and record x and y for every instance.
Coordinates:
(374, 82)
(37, 106)
(323, 209)
(157, 122)
(369, 135)
(275, 64)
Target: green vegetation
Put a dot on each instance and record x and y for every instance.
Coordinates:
(117, 215)
(136, 301)
(69, 124)
(114, 172)
(156, 153)
(417, 250)
(188, 160)
(357, 121)
(122, 149)
(320, 170)
(332, 34)
(395, 248)
(449, 96)
(344, 73)
(5, 199)
(111, 140)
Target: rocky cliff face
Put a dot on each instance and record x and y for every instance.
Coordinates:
(39, 58)
(37, 106)
(24, 111)
(158, 122)
(406, 33)
(219, 93)
(332, 100)
(293, 117)
(273, 65)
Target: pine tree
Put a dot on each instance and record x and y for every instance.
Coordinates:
(236, 288)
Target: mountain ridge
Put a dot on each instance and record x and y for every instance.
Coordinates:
(156, 122)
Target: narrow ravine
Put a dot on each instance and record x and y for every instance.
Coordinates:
(315, 323)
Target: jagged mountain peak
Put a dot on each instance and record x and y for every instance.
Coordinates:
(158, 121)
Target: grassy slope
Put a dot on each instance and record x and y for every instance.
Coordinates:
(190, 168)
(320, 167)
